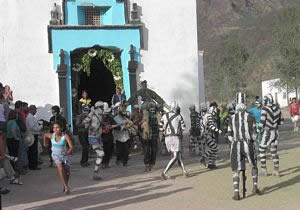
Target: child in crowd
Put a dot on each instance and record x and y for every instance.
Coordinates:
(61, 154)
(85, 103)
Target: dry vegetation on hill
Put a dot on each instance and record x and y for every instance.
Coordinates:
(247, 28)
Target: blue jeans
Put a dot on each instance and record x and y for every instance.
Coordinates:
(22, 155)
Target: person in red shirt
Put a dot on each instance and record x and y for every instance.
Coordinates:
(294, 112)
(24, 111)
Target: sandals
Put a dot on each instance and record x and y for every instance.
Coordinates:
(11, 158)
(96, 177)
(67, 191)
(202, 161)
(164, 176)
(15, 181)
(186, 174)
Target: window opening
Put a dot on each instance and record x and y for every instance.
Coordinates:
(92, 17)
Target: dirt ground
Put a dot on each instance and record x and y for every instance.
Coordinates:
(131, 188)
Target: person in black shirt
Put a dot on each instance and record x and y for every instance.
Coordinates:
(150, 144)
(218, 119)
(57, 117)
(22, 153)
(83, 139)
(107, 136)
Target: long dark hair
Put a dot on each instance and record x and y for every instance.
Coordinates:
(1, 93)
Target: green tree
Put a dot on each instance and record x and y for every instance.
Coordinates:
(227, 70)
(232, 64)
(287, 43)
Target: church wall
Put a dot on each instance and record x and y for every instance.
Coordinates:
(25, 64)
(169, 61)
(170, 58)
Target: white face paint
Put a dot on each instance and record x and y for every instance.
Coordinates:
(240, 107)
(98, 108)
(268, 100)
(258, 105)
(212, 110)
(54, 113)
(192, 108)
(174, 106)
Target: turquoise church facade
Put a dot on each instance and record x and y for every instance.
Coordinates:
(114, 30)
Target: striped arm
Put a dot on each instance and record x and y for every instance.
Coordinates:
(162, 123)
(182, 124)
(198, 124)
(202, 126)
(211, 124)
(263, 118)
(230, 131)
(281, 120)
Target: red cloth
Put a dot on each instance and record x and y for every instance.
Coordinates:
(24, 115)
(294, 109)
(106, 129)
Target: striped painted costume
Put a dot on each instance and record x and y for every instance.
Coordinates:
(271, 117)
(241, 129)
(196, 143)
(172, 124)
(208, 133)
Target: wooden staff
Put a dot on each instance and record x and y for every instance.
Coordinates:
(244, 183)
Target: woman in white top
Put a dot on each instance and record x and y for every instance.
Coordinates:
(61, 155)
(4, 109)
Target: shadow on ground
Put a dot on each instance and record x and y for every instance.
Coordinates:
(111, 196)
(281, 185)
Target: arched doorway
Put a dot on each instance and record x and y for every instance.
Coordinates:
(100, 84)
(100, 81)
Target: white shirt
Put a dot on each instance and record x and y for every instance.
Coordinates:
(121, 135)
(32, 124)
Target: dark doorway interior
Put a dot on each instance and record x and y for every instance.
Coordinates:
(100, 84)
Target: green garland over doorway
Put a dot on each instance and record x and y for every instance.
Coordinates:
(109, 60)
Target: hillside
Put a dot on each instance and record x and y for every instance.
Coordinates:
(251, 20)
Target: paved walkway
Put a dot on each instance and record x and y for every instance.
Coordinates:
(131, 188)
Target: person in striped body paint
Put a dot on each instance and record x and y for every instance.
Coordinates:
(208, 133)
(195, 143)
(241, 129)
(271, 117)
(172, 124)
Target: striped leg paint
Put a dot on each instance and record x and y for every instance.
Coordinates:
(275, 157)
(201, 145)
(254, 176)
(211, 154)
(236, 182)
(193, 144)
(262, 151)
(255, 189)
